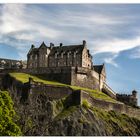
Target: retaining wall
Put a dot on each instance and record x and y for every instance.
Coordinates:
(117, 107)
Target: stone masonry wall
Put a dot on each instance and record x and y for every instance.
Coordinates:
(76, 76)
(118, 107)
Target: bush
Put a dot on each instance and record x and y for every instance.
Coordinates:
(7, 126)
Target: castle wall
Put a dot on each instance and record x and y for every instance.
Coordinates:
(75, 76)
(55, 92)
(83, 77)
(22, 92)
(127, 99)
(105, 105)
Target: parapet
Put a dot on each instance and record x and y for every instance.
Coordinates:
(128, 99)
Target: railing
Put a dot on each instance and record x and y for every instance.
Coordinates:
(105, 86)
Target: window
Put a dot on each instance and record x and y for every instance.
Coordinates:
(36, 56)
(31, 57)
(68, 54)
(62, 55)
(56, 55)
(74, 54)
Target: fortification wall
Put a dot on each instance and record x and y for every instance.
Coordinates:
(76, 76)
(127, 99)
(118, 107)
(54, 92)
(83, 77)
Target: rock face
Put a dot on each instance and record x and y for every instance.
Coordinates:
(40, 115)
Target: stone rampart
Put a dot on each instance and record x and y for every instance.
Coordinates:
(52, 91)
(76, 76)
(22, 93)
(105, 105)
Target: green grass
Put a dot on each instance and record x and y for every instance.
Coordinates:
(86, 104)
(23, 77)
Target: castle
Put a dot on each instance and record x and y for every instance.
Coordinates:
(70, 65)
(73, 63)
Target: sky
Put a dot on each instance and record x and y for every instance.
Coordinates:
(112, 33)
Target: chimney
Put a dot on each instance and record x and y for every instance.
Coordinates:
(51, 45)
(61, 44)
(32, 46)
(84, 43)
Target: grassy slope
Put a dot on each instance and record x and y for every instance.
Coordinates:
(23, 77)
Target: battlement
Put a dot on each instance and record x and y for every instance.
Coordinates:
(128, 99)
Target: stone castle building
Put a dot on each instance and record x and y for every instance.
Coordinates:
(72, 65)
(59, 56)
(63, 57)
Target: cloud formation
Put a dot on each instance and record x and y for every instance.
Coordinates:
(107, 28)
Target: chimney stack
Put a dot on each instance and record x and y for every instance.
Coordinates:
(51, 45)
(61, 44)
(84, 43)
(32, 46)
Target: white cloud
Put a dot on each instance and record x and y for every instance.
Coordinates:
(111, 60)
(23, 25)
(135, 53)
(116, 45)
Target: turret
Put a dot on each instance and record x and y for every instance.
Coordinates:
(134, 93)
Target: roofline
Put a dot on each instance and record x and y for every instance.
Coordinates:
(10, 59)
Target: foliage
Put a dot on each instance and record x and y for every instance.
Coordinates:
(116, 122)
(7, 113)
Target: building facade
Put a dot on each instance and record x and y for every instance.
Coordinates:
(10, 64)
(59, 56)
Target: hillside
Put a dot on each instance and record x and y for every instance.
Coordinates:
(44, 116)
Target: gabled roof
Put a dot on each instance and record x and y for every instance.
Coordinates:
(65, 49)
(43, 45)
(98, 68)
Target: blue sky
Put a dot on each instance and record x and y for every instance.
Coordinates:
(112, 32)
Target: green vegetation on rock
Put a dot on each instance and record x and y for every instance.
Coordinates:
(116, 123)
(23, 77)
(86, 104)
(7, 126)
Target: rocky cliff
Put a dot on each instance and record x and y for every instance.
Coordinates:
(40, 115)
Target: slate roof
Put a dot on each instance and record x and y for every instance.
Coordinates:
(65, 49)
(98, 68)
